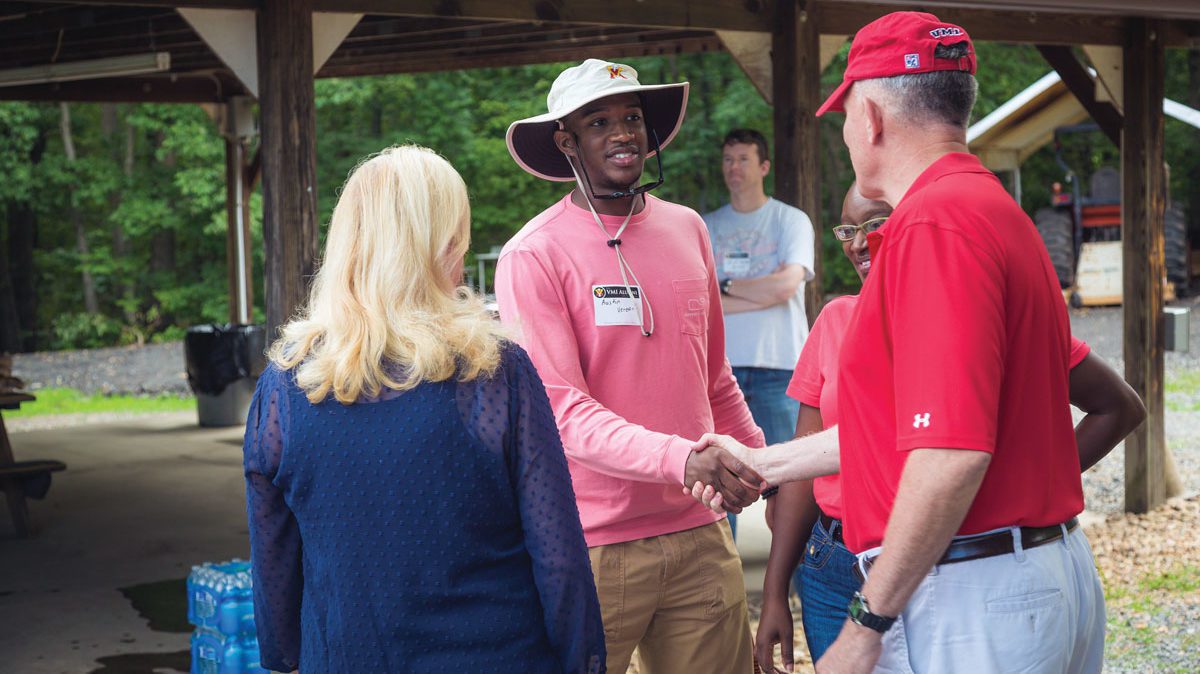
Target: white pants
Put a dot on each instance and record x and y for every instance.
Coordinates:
(1039, 610)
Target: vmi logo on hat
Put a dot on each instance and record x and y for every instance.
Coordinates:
(616, 71)
(948, 31)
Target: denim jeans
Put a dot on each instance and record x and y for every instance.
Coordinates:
(775, 413)
(826, 583)
(765, 390)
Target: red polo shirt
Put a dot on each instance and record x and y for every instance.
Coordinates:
(961, 341)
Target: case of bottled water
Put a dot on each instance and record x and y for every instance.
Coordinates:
(221, 606)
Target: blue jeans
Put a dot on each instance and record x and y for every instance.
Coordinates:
(765, 390)
(826, 583)
(775, 413)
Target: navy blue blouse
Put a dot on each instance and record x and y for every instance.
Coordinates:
(433, 530)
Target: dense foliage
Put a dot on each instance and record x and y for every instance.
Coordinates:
(114, 228)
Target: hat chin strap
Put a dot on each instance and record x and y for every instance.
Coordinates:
(622, 265)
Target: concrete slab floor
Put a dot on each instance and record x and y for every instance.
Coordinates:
(141, 501)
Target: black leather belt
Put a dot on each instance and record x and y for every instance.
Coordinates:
(990, 545)
(828, 524)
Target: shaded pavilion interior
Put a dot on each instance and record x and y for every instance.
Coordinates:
(226, 53)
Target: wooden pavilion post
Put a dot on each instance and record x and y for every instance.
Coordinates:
(289, 162)
(1142, 208)
(796, 86)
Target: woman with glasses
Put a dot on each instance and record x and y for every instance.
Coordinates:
(805, 516)
(409, 502)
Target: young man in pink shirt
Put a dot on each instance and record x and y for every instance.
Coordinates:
(613, 293)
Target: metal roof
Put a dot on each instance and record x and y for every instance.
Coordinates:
(1026, 122)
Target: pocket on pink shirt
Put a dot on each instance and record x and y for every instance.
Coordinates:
(691, 305)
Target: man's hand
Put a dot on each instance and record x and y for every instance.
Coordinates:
(855, 651)
(734, 480)
(775, 627)
(726, 443)
(710, 498)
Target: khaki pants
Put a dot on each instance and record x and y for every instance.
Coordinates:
(679, 599)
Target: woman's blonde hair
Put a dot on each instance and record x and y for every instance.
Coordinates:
(382, 296)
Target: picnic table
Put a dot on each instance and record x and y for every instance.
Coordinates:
(21, 479)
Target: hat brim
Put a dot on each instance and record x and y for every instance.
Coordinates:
(836, 101)
(531, 141)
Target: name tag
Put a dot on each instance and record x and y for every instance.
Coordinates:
(736, 264)
(614, 306)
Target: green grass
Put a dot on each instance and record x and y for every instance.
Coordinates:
(1185, 578)
(70, 401)
(1186, 382)
(1185, 385)
(1136, 639)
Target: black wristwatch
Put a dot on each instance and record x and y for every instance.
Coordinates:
(725, 286)
(861, 614)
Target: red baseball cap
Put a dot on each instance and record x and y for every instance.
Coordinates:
(900, 43)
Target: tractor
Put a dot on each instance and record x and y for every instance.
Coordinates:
(1083, 233)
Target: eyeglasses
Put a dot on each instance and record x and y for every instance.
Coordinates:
(848, 232)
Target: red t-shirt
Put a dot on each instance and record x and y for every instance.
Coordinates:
(960, 340)
(814, 383)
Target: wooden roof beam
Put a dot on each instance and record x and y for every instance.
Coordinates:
(1168, 9)
(1017, 23)
(705, 14)
(500, 44)
(417, 64)
(191, 88)
(1083, 87)
(984, 24)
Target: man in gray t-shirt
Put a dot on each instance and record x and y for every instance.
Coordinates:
(764, 255)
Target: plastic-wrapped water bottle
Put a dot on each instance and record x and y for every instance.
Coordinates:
(221, 606)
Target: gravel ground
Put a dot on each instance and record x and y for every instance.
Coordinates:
(1104, 484)
(1150, 565)
(149, 369)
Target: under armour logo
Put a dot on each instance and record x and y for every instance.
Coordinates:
(921, 420)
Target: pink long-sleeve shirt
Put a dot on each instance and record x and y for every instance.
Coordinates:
(628, 407)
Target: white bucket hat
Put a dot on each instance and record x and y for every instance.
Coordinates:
(531, 141)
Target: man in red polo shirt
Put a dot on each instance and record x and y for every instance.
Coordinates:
(960, 473)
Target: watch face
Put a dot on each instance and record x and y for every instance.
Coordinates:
(860, 613)
(856, 608)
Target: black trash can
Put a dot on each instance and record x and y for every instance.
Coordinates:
(223, 365)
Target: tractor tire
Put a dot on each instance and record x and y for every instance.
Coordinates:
(1175, 246)
(1106, 186)
(1056, 227)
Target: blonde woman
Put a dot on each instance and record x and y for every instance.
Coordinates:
(409, 502)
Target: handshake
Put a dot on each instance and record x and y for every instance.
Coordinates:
(721, 474)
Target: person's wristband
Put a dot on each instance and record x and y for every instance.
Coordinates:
(770, 491)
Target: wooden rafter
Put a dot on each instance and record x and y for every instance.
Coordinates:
(1083, 87)
(191, 88)
(423, 63)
